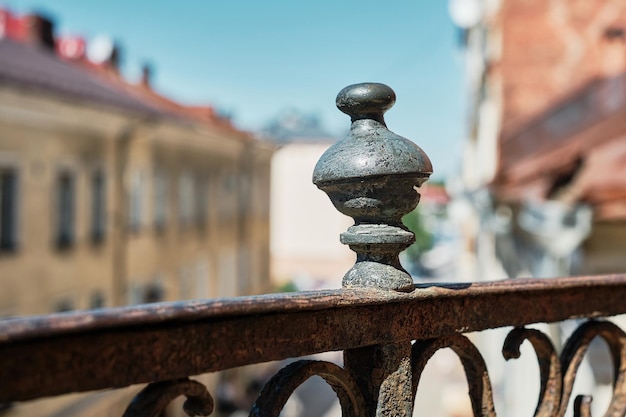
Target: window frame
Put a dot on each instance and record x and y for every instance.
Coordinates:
(9, 243)
(65, 209)
(98, 208)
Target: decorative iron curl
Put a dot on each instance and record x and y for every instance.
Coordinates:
(473, 363)
(556, 387)
(549, 367)
(278, 390)
(154, 398)
(582, 406)
(572, 356)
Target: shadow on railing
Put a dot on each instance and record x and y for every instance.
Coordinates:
(387, 327)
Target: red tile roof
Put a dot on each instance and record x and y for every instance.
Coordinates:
(33, 68)
(26, 65)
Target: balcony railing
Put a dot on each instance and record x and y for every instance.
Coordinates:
(387, 327)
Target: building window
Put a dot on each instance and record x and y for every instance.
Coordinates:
(160, 200)
(135, 201)
(186, 203)
(226, 202)
(98, 206)
(202, 202)
(8, 210)
(153, 293)
(97, 300)
(65, 195)
(229, 182)
(63, 305)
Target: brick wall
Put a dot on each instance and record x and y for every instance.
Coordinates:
(551, 48)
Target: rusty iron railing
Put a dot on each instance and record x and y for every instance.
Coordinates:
(387, 327)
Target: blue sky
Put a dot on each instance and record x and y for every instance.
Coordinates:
(255, 59)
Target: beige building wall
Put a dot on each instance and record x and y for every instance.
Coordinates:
(305, 226)
(40, 140)
(211, 238)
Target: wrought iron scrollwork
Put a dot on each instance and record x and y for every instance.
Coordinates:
(473, 363)
(557, 377)
(573, 354)
(556, 386)
(278, 390)
(549, 366)
(154, 398)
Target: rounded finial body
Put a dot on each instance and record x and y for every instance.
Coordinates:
(371, 176)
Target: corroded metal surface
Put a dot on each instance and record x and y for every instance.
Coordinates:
(370, 149)
(371, 176)
(573, 354)
(556, 387)
(383, 373)
(560, 298)
(154, 398)
(478, 381)
(278, 390)
(173, 340)
(549, 367)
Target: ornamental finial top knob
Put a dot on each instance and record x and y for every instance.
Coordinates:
(366, 101)
(371, 176)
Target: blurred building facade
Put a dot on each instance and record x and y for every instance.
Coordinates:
(547, 139)
(111, 194)
(543, 187)
(305, 227)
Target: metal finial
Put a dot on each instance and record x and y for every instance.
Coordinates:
(371, 175)
(366, 101)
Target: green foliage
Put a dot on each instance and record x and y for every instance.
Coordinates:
(287, 287)
(423, 239)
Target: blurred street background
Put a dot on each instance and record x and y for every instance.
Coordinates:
(161, 151)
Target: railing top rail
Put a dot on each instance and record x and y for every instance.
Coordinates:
(61, 324)
(62, 353)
